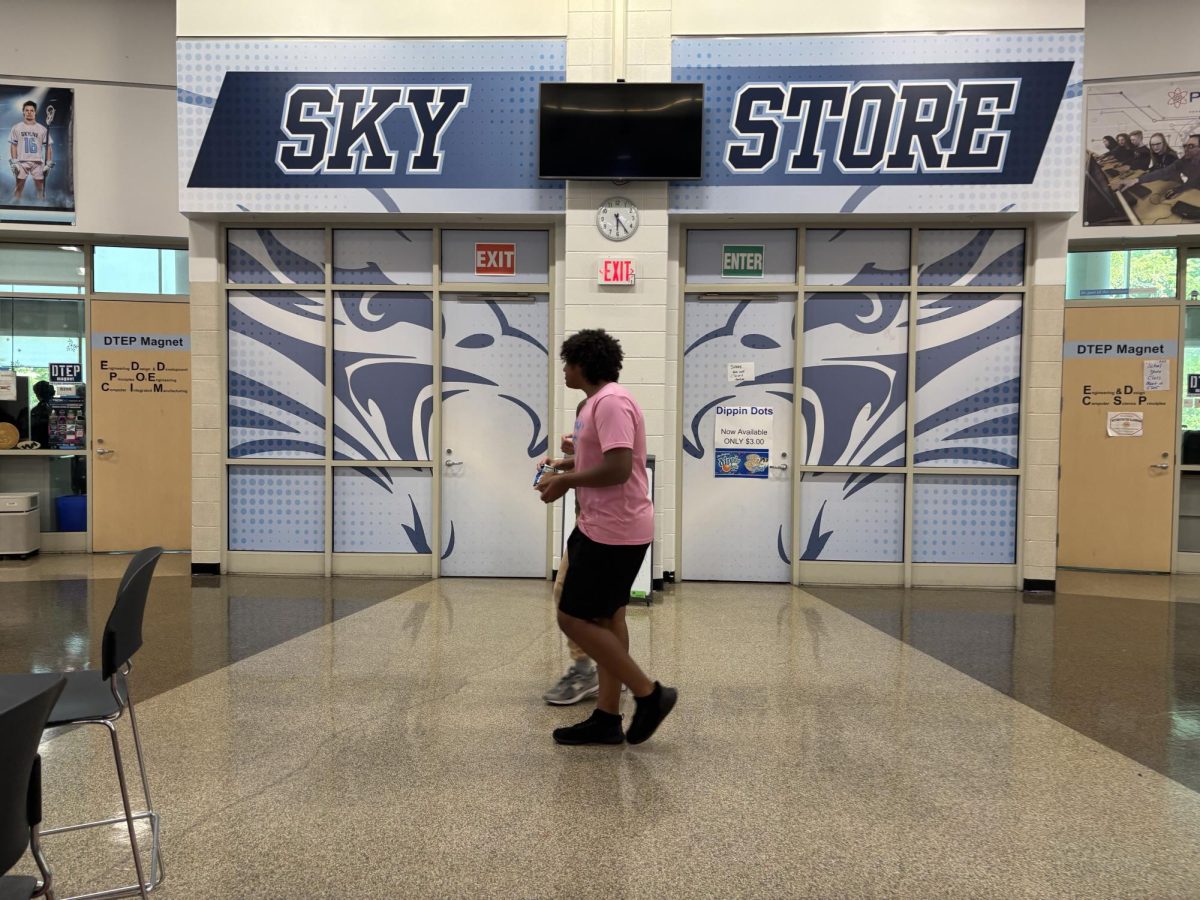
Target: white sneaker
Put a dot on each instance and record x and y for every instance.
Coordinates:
(573, 687)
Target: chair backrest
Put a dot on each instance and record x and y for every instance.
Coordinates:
(21, 724)
(123, 631)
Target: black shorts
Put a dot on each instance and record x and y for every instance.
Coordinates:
(599, 576)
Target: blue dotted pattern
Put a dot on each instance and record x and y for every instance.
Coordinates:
(372, 508)
(1055, 187)
(972, 257)
(864, 517)
(499, 140)
(277, 508)
(964, 520)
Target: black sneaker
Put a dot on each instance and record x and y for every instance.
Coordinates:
(598, 728)
(650, 712)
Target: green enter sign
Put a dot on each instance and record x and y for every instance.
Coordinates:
(742, 261)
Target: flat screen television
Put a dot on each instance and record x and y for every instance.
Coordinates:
(620, 132)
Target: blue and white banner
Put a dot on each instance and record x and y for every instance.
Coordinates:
(969, 123)
(364, 126)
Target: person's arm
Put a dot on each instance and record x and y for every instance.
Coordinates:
(1163, 174)
(615, 427)
(614, 468)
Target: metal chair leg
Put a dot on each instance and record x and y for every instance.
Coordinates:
(157, 869)
(142, 888)
(46, 889)
(137, 858)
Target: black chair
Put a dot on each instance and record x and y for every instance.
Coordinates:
(21, 723)
(101, 698)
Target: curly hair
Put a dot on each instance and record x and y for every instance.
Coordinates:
(596, 352)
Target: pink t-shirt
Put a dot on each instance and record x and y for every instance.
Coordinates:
(619, 513)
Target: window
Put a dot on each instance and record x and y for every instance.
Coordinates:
(140, 270)
(42, 269)
(1147, 274)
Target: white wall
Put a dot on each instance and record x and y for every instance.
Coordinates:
(371, 18)
(1125, 40)
(701, 17)
(130, 41)
(119, 57)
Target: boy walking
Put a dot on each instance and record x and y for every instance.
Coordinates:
(613, 531)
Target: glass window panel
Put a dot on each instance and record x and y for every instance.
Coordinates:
(968, 380)
(1189, 512)
(964, 520)
(34, 265)
(1122, 274)
(383, 375)
(39, 289)
(274, 256)
(1190, 411)
(277, 508)
(276, 374)
(33, 335)
(383, 257)
(727, 257)
(140, 270)
(531, 264)
(852, 517)
(381, 510)
(855, 378)
(981, 257)
(51, 478)
(864, 256)
(1191, 288)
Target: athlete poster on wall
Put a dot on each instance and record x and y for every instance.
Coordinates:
(1142, 160)
(37, 179)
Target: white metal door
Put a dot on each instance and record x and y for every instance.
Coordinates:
(495, 415)
(734, 528)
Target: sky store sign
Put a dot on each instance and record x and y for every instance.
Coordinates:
(881, 123)
(380, 126)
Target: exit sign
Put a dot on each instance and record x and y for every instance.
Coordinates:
(495, 259)
(742, 261)
(615, 271)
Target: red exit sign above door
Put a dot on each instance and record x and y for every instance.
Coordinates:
(615, 271)
(495, 259)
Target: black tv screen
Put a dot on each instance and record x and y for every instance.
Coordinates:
(620, 132)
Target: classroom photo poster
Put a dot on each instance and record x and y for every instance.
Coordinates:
(1137, 159)
(37, 179)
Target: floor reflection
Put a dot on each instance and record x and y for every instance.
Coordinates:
(193, 626)
(1125, 671)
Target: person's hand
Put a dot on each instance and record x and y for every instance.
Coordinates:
(567, 444)
(49, 165)
(16, 170)
(551, 487)
(1126, 183)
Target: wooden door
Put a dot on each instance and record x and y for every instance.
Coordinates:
(141, 425)
(1119, 431)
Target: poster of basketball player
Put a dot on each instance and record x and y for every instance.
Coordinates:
(1142, 165)
(37, 178)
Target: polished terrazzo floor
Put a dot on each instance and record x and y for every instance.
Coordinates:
(399, 747)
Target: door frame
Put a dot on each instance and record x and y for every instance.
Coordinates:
(1182, 562)
(327, 562)
(74, 541)
(906, 573)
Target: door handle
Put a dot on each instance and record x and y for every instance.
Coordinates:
(453, 462)
(1160, 465)
(103, 451)
(782, 467)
